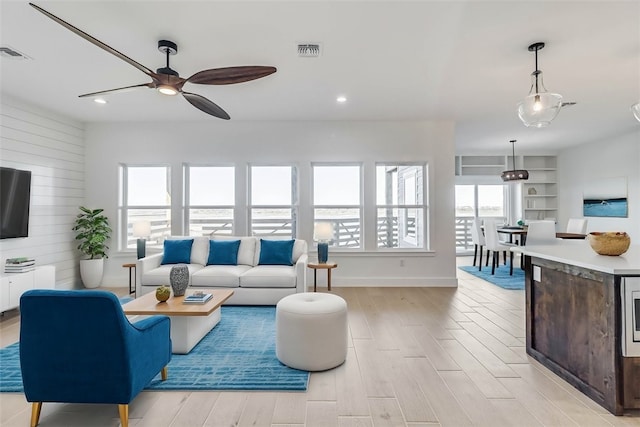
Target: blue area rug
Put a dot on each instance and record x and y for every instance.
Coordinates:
(238, 354)
(500, 278)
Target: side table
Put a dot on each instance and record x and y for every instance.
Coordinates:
(319, 266)
(132, 277)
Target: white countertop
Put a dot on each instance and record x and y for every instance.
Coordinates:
(580, 254)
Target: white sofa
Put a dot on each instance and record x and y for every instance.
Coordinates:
(253, 284)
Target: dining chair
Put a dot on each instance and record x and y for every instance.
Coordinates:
(495, 246)
(541, 233)
(479, 242)
(577, 225)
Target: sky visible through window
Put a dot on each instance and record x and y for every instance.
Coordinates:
(490, 200)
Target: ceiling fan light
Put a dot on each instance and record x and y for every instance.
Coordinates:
(167, 90)
(635, 109)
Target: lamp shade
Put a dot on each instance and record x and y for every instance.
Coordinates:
(635, 109)
(141, 229)
(323, 231)
(538, 110)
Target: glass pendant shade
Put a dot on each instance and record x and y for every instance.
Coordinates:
(540, 107)
(635, 109)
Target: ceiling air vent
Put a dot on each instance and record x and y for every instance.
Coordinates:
(309, 50)
(11, 53)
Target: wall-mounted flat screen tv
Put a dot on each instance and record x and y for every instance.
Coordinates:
(15, 193)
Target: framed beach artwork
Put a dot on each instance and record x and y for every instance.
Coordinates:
(606, 198)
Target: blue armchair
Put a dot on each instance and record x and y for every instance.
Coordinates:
(79, 347)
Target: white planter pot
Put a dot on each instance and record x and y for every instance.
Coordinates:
(91, 271)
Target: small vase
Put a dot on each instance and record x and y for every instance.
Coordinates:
(179, 279)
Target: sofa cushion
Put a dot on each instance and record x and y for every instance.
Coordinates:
(160, 276)
(269, 276)
(177, 251)
(227, 276)
(223, 252)
(276, 252)
(199, 250)
(246, 251)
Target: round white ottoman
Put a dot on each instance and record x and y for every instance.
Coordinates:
(311, 331)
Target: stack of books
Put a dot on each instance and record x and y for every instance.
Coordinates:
(19, 265)
(197, 298)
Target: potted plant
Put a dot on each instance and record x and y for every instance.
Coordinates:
(93, 232)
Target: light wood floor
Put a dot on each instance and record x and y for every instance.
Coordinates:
(417, 357)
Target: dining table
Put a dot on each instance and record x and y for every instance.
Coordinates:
(521, 232)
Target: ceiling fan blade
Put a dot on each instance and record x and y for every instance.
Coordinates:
(230, 75)
(120, 89)
(95, 41)
(203, 104)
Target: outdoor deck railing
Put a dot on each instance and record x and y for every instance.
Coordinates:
(347, 230)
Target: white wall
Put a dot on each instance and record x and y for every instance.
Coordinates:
(300, 143)
(51, 147)
(613, 158)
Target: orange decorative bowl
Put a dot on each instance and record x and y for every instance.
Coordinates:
(609, 243)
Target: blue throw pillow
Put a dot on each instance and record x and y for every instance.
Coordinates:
(276, 252)
(223, 252)
(177, 251)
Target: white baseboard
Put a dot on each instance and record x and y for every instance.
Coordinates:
(391, 282)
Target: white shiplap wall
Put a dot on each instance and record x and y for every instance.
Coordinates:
(52, 148)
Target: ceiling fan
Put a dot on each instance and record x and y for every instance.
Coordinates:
(167, 81)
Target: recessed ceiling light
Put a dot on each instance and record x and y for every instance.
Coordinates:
(341, 99)
(100, 101)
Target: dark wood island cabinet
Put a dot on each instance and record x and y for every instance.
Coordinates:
(575, 314)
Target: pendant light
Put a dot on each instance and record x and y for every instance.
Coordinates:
(514, 174)
(540, 107)
(635, 109)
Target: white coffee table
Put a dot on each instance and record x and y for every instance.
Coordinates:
(189, 322)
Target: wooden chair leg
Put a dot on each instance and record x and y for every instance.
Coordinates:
(475, 254)
(164, 373)
(36, 407)
(124, 415)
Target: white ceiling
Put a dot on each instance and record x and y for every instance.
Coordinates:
(465, 61)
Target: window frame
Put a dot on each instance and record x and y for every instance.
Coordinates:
(124, 207)
(295, 198)
(424, 207)
(360, 206)
(186, 203)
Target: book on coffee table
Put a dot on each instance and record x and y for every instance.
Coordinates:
(197, 298)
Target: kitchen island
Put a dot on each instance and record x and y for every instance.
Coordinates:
(574, 319)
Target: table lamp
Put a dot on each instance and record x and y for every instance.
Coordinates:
(142, 230)
(323, 233)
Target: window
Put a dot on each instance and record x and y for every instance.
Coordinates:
(477, 200)
(209, 199)
(337, 199)
(145, 198)
(401, 210)
(273, 201)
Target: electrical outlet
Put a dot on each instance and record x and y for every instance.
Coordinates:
(401, 263)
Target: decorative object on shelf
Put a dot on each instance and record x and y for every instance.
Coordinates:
(540, 107)
(609, 243)
(323, 233)
(635, 109)
(179, 279)
(514, 174)
(93, 232)
(532, 191)
(163, 293)
(142, 230)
